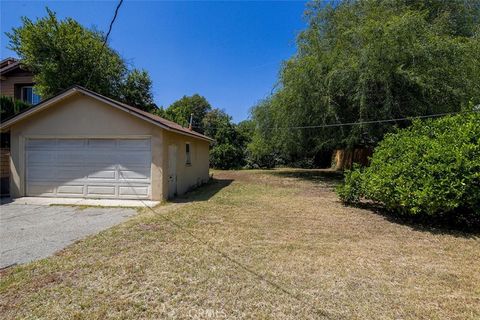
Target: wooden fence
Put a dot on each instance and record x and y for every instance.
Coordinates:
(345, 158)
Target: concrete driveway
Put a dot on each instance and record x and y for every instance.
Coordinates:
(30, 232)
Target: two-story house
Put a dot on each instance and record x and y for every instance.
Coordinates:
(18, 83)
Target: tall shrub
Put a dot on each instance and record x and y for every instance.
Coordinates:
(10, 107)
(431, 169)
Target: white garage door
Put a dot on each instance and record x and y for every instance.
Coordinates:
(90, 168)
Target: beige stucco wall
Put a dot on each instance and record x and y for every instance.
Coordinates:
(188, 176)
(80, 116)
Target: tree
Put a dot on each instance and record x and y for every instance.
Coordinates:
(245, 129)
(180, 111)
(260, 154)
(217, 124)
(62, 53)
(137, 90)
(227, 151)
(364, 60)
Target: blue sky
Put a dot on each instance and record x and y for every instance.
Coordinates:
(230, 52)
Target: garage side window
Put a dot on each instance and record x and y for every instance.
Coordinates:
(188, 152)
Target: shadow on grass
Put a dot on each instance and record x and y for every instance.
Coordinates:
(459, 226)
(204, 192)
(445, 225)
(328, 177)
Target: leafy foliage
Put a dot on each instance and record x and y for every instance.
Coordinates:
(246, 128)
(260, 154)
(195, 105)
(367, 60)
(228, 150)
(63, 53)
(225, 156)
(137, 90)
(351, 190)
(431, 168)
(10, 107)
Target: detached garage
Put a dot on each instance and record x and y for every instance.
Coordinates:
(82, 144)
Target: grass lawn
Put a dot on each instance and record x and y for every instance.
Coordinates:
(254, 245)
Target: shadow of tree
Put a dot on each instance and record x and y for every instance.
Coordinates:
(458, 226)
(443, 225)
(329, 177)
(204, 192)
(446, 225)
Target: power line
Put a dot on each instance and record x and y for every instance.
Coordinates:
(369, 122)
(105, 40)
(373, 121)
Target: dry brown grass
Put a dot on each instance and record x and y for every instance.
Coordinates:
(270, 245)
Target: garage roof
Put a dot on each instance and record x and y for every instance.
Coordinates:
(161, 122)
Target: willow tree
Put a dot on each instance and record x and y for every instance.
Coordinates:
(364, 60)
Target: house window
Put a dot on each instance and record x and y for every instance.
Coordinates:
(188, 158)
(29, 96)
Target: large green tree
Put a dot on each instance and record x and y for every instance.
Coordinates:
(228, 149)
(363, 60)
(136, 90)
(62, 53)
(181, 110)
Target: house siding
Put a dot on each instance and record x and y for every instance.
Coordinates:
(10, 83)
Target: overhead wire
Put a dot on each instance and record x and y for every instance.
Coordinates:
(370, 121)
(104, 41)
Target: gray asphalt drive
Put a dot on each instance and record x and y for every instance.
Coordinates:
(30, 232)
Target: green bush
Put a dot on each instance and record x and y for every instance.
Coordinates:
(260, 154)
(226, 156)
(429, 169)
(351, 191)
(10, 107)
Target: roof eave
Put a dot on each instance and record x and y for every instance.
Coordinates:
(139, 115)
(43, 105)
(9, 67)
